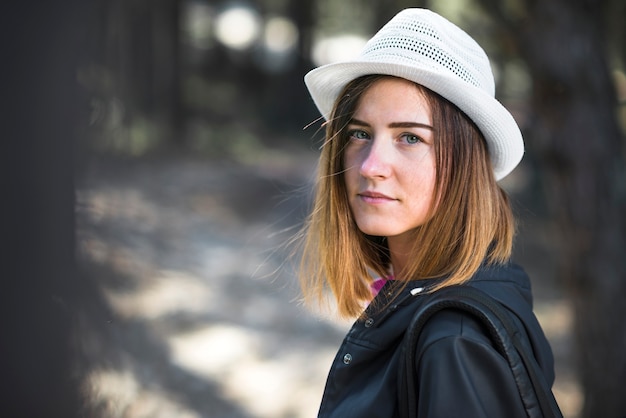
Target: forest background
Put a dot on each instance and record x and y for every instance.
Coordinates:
(156, 158)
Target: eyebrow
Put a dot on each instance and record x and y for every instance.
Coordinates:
(395, 124)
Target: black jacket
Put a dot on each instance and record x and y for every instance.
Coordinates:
(460, 373)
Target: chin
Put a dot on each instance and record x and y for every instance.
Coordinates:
(377, 231)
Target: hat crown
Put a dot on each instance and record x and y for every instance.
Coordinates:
(422, 38)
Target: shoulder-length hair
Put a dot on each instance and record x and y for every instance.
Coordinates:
(470, 223)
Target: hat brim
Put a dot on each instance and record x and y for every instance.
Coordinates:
(504, 139)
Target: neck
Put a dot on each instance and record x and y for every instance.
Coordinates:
(399, 251)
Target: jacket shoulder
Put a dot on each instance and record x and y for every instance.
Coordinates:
(450, 324)
(456, 351)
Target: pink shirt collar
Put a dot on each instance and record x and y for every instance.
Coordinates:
(378, 284)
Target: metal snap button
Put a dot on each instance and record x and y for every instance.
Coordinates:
(347, 359)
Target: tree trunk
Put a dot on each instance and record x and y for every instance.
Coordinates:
(42, 108)
(385, 10)
(580, 147)
(166, 90)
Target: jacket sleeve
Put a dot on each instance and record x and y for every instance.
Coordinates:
(461, 374)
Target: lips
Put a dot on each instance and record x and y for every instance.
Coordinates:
(375, 197)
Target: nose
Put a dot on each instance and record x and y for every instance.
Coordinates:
(376, 162)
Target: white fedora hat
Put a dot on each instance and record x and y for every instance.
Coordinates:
(421, 46)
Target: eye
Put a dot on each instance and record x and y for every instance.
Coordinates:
(358, 134)
(411, 138)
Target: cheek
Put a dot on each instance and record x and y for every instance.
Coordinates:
(349, 157)
(422, 183)
(350, 181)
(350, 170)
(431, 191)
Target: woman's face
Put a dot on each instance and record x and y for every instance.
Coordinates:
(389, 160)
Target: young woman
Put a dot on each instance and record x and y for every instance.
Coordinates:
(407, 204)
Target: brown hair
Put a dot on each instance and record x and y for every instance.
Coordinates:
(472, 223)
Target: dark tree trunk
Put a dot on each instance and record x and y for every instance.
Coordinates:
(577, 139)
(40, 290)
(137, 42)
(166, 61)
(292, 87)
(385, 10)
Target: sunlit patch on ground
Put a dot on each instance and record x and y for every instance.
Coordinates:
(269, 386)
(170, 293)
(205, 314)
(119, 394)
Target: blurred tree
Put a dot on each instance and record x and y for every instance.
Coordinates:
(385, 10)
(134, 72)
(40, 290)
(576, 136)
(301, 13)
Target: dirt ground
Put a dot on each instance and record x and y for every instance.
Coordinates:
(196, 312)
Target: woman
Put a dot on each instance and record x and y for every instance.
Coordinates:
(407, 203)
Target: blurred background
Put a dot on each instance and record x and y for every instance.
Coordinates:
(159, 157)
